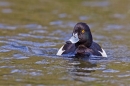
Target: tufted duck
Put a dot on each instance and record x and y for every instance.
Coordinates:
(81, 43)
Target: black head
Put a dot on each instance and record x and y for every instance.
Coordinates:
(84, 34)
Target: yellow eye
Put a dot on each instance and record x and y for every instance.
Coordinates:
(83, 31)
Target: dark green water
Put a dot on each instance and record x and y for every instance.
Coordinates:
(31, 32)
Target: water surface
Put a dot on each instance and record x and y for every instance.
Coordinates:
(31, 32)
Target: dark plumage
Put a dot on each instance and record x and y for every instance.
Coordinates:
(81, 43)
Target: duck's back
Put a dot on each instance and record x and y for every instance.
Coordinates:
(97, 50)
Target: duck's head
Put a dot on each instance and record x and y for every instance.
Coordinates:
(81, 35)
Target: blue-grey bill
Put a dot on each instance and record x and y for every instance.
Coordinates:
(74, 38)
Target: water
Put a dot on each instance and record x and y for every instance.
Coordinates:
(31, 32)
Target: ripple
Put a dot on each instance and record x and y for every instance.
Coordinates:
(96, 3)
(25, 72)
(85, 70)
(6, 10)
(34, 49)
(84, 18)
(56, 22)
(124, 75)
(39, 31)
(110, 71)
(33, 36)
(47, 52)
(81, 73)
(63, 24)
(4, 3)
(7, 66)
(3, 26)
(33, 26)
(42, 62)
(70, 24)
(114, 27)
(35, 74)
(36, 44)
(19, 56)
(124, 59)
(119, 16)
(50, 52)
(17, 70)
(10, 43)
(16, 47)
(94, 68)
(4, 50)
(75, 63)
(63, 15)
(38, 36)
(37, 51)
(99, 37)
(85, 79)
(118, 37)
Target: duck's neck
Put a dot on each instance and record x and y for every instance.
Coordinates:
(89, 40)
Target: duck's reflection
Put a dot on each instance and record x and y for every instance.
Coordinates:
(80, 67)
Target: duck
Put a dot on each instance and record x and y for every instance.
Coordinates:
(81, 43)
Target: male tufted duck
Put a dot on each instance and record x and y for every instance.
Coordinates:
(81, 43)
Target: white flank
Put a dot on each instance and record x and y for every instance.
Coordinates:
(60, 51)
(74, 38)
(103, 53)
